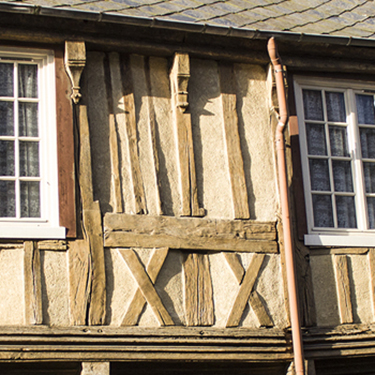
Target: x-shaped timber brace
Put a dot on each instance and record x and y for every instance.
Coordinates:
(145, 278)
(246, 293)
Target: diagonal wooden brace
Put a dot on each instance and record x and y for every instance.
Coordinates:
(246, 293)
(146, 291)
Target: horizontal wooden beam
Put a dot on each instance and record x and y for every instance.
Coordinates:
(124, 230)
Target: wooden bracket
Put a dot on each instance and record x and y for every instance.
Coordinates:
(75, 61)
(180, 75)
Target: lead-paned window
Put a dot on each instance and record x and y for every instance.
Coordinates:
(337, 138)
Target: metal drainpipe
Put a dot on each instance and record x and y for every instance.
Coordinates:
(289, 260)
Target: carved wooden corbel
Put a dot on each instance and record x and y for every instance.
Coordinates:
(180, 75)
(75, 61)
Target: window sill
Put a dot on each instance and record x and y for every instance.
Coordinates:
(32, 232)
(341, 240)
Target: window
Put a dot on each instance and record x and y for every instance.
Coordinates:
(29, 205)
(337, 138)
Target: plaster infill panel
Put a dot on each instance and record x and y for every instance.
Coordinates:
(12, 288)
(257, 140)
(325, 293)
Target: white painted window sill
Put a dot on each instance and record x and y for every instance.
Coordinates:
(32, 232)
(341, 240)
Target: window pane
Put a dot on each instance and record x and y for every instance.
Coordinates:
(28, 119)
(316, 139)
(322, 207)
(371, 211)
(335, 106)
(338, 141)
(27, 81)
(369, 172)
(6, 118)
(312, 105)
(365, 109)
(6, 79)
(367, 142)
(30, 199)
(29, 159)
(342, 175)
(346, 212)
(319, 175)
(6, 158)
(7, 199)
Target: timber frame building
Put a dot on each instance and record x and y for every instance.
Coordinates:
(143, 228)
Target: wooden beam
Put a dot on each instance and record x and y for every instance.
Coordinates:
(233, 145)
(123, 230)
(371, 260)
(33, 284)
(198, 296)
(343, 288)
(147, 287)
(138, 301)
(245, 291)
(179, 76)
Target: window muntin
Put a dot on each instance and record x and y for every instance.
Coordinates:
(337, 137)
(28, 149)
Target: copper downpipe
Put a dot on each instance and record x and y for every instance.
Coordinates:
(289, 259)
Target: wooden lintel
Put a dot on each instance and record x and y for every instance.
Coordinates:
(179, 76)
(343, 288)
(33, 284)
(233, 145)
(124, 230)
(75, 61)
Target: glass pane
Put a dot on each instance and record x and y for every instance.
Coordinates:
(312, 105)
(27, 81)
(367, 142)
(6, 79)
(342, 175)
(30, 199)
(371, 211)
(28, 119)
(365, 109)
(346, 212)
(6, 158)
(319, 175)
(369, 171)
(335, 106)
(338, 141)
(316, 139)
(322, 207)
(29, 159)
(6, 118)
(7, 199)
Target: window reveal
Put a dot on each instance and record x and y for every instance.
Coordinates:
(337, 136)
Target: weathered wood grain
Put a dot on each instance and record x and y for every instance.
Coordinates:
(179, 77)
(147, 287)
(33, 284)
(92, 222)
(245, 290)
(95, 368)
(371, 260)
(233, 145)
(198, 299)
(115, 175)
(52, 245)
(122, 230)
(128, 118)
(80, 281)
(138, 302)
(254, 299)
(343, 289)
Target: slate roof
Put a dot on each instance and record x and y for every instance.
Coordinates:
(349, 18)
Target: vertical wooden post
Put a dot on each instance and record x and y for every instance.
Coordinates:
(95, 368)
(33, 284)
(179, 76)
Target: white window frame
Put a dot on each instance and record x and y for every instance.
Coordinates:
(362, 236)
(47, 226)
